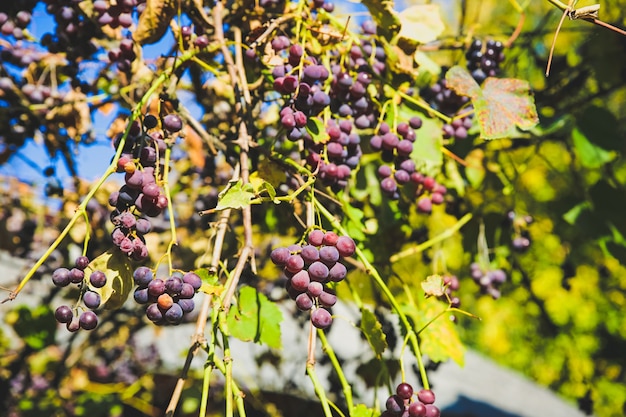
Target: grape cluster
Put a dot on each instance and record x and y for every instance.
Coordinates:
(74, 33)
(124, 55)
(15, 25)
(140, 196)
(62, 277)
(445, 100)
(19, 53)
(119, 14)
(168, 300)
(483, 59)
(309, 270)
(452, 284)
(521, 238)
(489, 279)
(402, 403)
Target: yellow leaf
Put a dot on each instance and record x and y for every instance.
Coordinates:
(421, 23)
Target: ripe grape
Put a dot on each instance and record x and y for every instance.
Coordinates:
(82, 262)
(300, 281)
(173, 285)
(321, 318)
(345, 246)
(329, 255)
(76, 275)
(91, 299)
(280, 256)
(304, 301)
(337, 272)
(97, 279)
(314, 289)
(88, 320)
(395, 404)
(193, 279)
(404, 391)
(63, 314)
(187, 305)
(174, 314)
(295, 263)
(426, 396)
(141, 295)
(156, 287)
(154, 313)
(142, 276)
(61, 277)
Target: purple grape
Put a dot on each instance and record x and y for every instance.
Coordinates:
(91, 299)
(172, 123)
(295, 263)
(395, 404)
(318, 271)
(330, 238)
(426, 396)
(314, 288)
(310, 254)
(321, 318)
(126, 246)
(384, 171)
(187, 305)
(74, 325)
(346, 246)
(417, 409)
(61, 277)
(63, 314)
(327, 298)
(82, 262)
(329, 255)
(432, 411)
(389, 185)
(337, 272)
(143, 226)
(404, 391)
(153, 313)
(174, 314)
(173, 285)
(88, 320)
(76, 275)
(193, 279)
(127, 220)
(143, 276)
(156, 287)
(151, 190)
(279, 256)
(425, 205)
(134, 180)
(97, 279)
(187, 291)
(141, 295)
(300, 281)
(304, 302)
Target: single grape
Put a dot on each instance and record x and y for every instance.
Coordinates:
(395, 404)
(165, 301)
(143, 226)
(432, 411)
(315, 288)
(156, 287)
(310, 254)
(173, 285)
(318, 271)
(88, 320)
(295, 263)
(304, 302)
(346, 246)
(321, 318)
(426, 396)
(172, 123)
(76, 275)
(417, 409)
(63, 314)
(337, 272)
(142, 276)
(174, 314)
(141, 295)
(300, 281)
(187, 291)
(97, 279)
(153, 313)
(330, 238)
(74, 325)
(193, 279)
(82, 262)
(327, 298)
(187, 305)
(329, 255)
(425, 205)
(280, 256)
(61, 277)
(91, 299)
(404, 390)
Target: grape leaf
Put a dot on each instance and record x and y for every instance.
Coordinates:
(589, 154)
(256, 318)
(501, 105)
(385, 17)
(373, 331)
(440, 339)
(235, 196)
(433, 285)
(118, 271)
(154, 21)
(421, 23)
(361, 410)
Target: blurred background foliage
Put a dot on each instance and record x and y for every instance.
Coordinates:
(560, 319)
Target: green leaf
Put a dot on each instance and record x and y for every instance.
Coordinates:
(255, 318)
(574, 213)
(361, 410)
(235, 196)
(154, 21)
(501, 105)
(590, 155)
(440, 339)
(34, 326)
(427, 148)
(421, 23)
(373, 331)
(317, 130)
(385, 17)
(117, 268)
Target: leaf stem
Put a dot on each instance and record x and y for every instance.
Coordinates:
(345, 386)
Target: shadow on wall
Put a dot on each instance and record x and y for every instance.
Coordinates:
(467, 407)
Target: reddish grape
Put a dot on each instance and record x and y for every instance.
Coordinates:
(88, 320)
(346, 246)
(404, 391)
(63, 314)
(321, 318)
(426, 396)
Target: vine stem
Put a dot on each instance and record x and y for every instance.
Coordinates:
(371, 270)
(441, 237)
(112, 168)
(345, 386)
(319, 390)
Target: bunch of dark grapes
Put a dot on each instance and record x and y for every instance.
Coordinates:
(74, 32)
(323, 4)
(140, 196)
(489, 279)
(118, 14)
(15, 25)
(310, 268)
(168, 300)
(124, 55)
(483, 59)
(521, 238)
(445, 100)
(62, 277)
(402, 403)
(19, 53)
